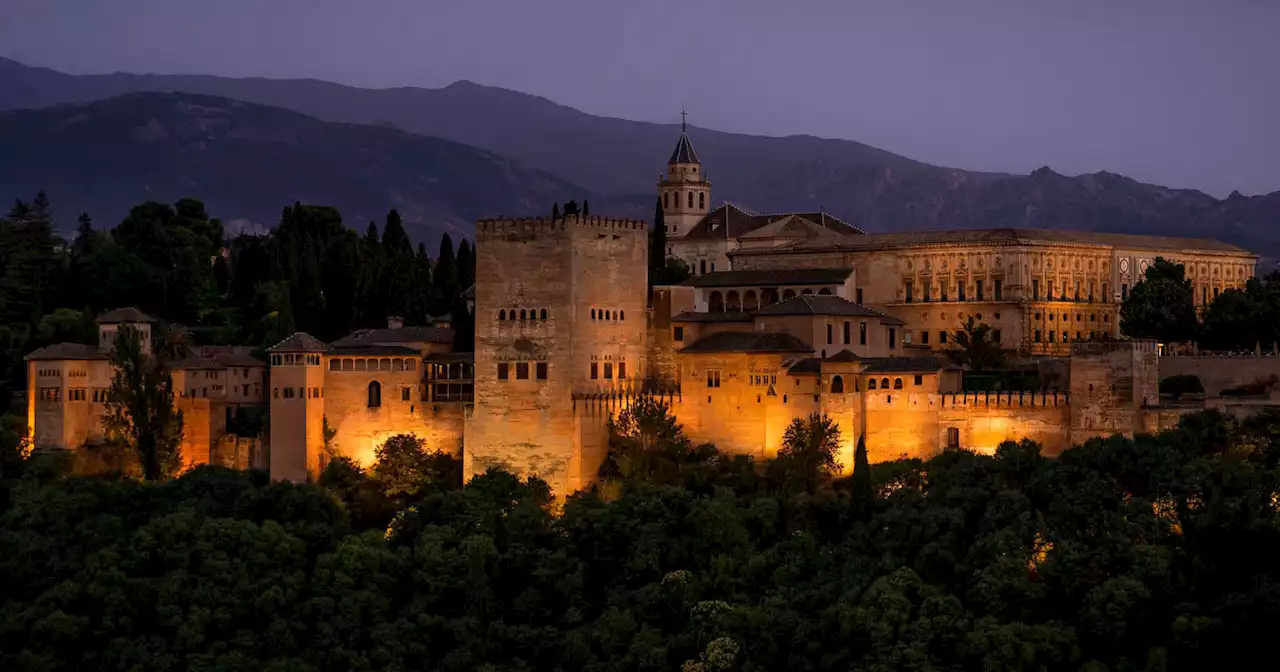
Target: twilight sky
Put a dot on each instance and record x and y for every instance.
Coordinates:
(1177, 92)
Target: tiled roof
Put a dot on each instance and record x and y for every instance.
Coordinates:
(67, 351)
(844, 356)
(684, 151)
(903, 365)
(124, 315)
(731, 221)
(401, 335)
(196, 362)
(805, 366)
(1020, 236)
(299, 342)
(691, 316)
(450, 357)
(747, 341)
(372, 349)
(788, 276)
(238, 359)
(823, 304)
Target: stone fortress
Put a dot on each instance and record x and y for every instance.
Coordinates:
(785, 315)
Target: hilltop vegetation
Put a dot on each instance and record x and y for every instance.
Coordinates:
(1152, 554)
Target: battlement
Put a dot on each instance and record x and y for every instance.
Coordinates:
(1005, 400)
(527, 227)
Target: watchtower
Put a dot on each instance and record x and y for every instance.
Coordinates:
(684, 191)
(297, 408)
(560, 313)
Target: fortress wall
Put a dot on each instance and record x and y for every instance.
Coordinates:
(985, 420)
(360, 429)
(1221, 373)
(900, 423)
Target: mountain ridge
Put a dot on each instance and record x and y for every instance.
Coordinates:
(619, 160)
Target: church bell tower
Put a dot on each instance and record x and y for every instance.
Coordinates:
(685, 191)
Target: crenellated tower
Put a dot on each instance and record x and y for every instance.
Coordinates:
(685, 191)
(297, 408)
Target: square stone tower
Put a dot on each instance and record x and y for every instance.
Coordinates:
(560, 316)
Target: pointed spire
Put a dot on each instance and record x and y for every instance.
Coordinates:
(684, 148)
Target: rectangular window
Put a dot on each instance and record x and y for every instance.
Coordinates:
(1037, 335)
(713, 378)
(522, 370)
(504, 370)
(1215, 292)
(677, 334)
(1035, 290)
(862, 333)
(542, 370)
(977, 289)
(893, 338)
(942, 337)
(1090, 291)
(608, 370)
(846, 332)
(995, 335)
(1051, 336)
(1124, 292)
(942, 291)
(953, 437)
(858, 294)
(928, 287)
(910, 292)
(622, 370)
(829, 341)
(919, 379)
(405, 394)
(998, 287)
(595, 370)
(960, 290)
(924, 338)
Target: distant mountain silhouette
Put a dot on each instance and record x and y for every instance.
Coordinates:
(248, 161)
(619, 160)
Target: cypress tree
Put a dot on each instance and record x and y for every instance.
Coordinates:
(658, 243)
(446, 275)
(555, 211)
(586, 208)
(466, 265)
(863, 495)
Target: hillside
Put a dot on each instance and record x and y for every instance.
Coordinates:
(619, 160)
(248, 161)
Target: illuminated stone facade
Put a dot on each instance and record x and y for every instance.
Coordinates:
(787, 315)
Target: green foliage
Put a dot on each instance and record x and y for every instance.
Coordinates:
(1161, 306)
(1150, 553)
(1243, 319)
(673, 272)
(975, 346)
(1177, 386)
(139, 410)
(404, 469)
(808, 454)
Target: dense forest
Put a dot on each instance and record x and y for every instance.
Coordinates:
(1153, 553)
(174, 261)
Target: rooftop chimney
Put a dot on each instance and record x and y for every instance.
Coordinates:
(395, 322)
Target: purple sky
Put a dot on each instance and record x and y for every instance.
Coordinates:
(1175, 92)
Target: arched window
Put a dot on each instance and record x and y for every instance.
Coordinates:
(375, 394)
(789, 294)
(522, 315)
(704, 268)
(593, 313)
(732, 303)
(871, 383)
(717, 302)
(769, 296)
(837, 385)
(542, 315)
(622, 315)
(749, 301)
(824, 291)
(502, 315)
(702, 201)
(897, 383)
(884, 383)
(348, 365)
(691, 200)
